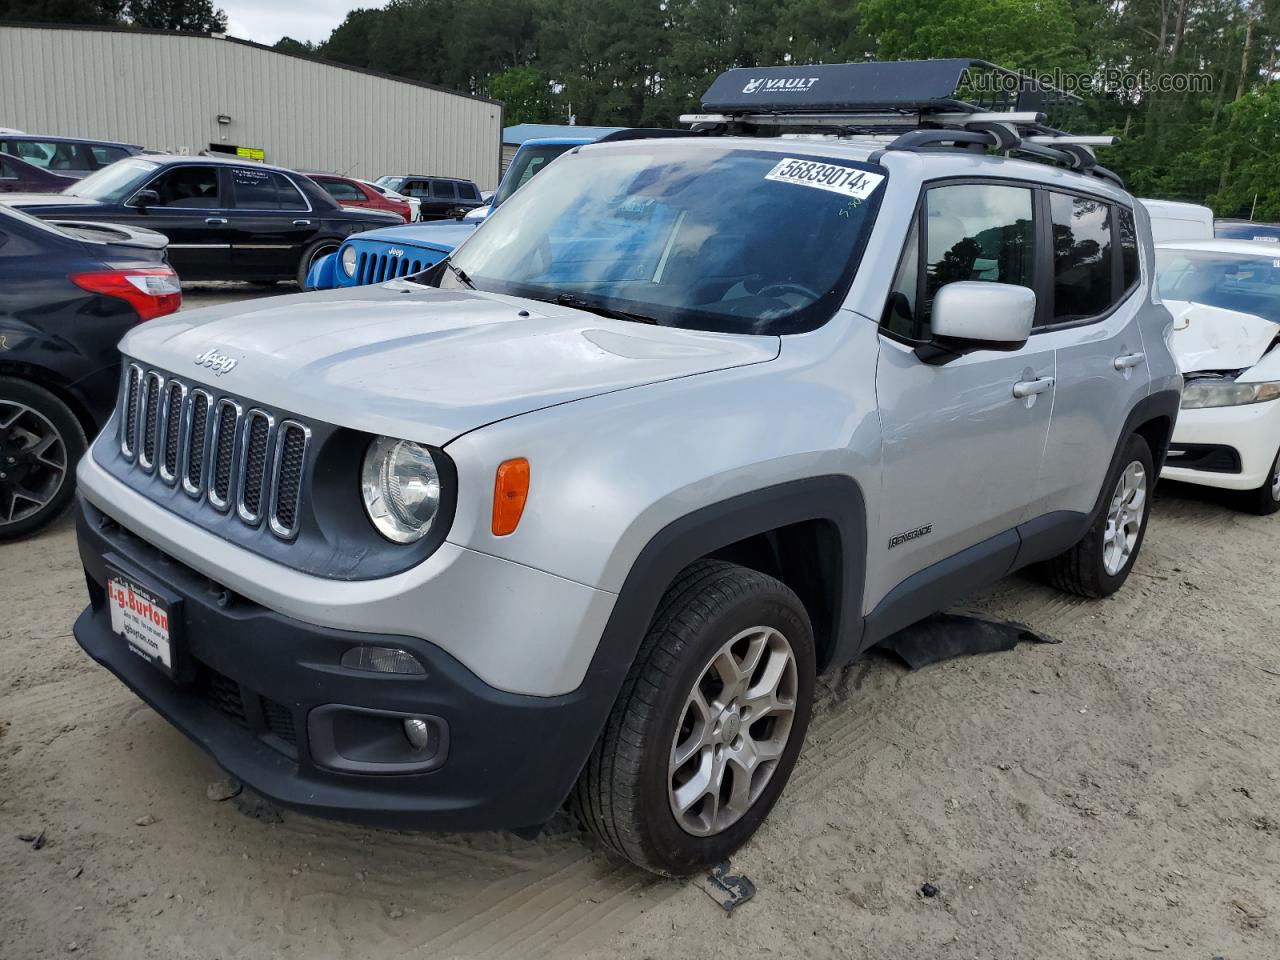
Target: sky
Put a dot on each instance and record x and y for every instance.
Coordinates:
(266, 21)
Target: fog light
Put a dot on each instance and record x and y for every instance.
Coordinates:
(417, 733)
(383, 660)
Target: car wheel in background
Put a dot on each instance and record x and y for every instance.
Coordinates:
(1099, 564)
(708, 724)
(40, 443)
(311, 255)
(1265, 499)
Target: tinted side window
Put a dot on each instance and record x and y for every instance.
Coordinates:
(342, 192)
(1128, 249)
(443, 190)
(1082, 262)
(468, 191)
(7, 171)
(187, 187)
(415, 188)
(900, 310)
(107, 155)
(289, 196)
(975, 231)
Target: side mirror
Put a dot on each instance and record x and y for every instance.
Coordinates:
(980, 315)
(145, 198)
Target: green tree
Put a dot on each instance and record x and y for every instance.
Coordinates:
(199, 16)
(302, 48)
(525, 94)
(62, 11)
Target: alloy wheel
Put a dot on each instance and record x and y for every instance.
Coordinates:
(733, 730)
(1275, 480)
(33, 461)
(1124, 518)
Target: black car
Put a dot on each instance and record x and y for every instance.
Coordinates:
(66, 156)
(442, 198)
(225, 219)
(68, 293)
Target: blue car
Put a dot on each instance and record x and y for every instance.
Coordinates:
(376, 256)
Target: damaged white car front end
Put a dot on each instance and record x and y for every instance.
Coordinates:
(1225, 300)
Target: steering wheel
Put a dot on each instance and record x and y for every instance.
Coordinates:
(778, 289)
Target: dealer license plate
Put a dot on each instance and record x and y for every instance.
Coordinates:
(142, 619)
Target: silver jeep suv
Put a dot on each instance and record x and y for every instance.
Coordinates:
(580, 513)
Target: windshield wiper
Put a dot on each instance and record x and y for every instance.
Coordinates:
(460, 274)
(569, 300)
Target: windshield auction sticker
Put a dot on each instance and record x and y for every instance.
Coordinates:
(846, 181)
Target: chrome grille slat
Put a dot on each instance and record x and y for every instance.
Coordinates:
(222, 452)
(215, 446)
(255, 447)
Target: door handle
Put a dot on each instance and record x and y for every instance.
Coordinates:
(215, 220)
(302, 223)
(1128, 360)
(1029, 388)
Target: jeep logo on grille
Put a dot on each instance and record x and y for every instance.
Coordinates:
(395, 252)
(219, 363)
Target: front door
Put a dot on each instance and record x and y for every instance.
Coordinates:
(961, 451)
(192, 213)
(272, 223)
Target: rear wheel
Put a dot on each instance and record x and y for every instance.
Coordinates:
(708, 725)
(1265, 499)
(1099, 564)
(40, 443)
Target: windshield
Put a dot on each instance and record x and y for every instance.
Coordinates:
(692, 234)
(112, 184)
(529, 162)
(1244, 284)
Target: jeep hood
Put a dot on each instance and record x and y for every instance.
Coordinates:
(1211, 338)
(425, 364)
(440, 235)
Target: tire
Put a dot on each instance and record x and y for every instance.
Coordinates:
(1265, 500)
(41, 441)
(311, 255)
(1089, 569)
(625, 794)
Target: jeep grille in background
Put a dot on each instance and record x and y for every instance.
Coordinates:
(374, 267)
(221, 448)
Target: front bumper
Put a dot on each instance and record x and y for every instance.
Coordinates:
(1252, 431)
(261, 686)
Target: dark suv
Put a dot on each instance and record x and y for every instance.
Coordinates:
(442, 198)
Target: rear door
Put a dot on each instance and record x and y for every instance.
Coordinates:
(271, 224)
(192, 213)
(1092, 323)
(961, 452)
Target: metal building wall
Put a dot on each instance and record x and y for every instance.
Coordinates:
(166, 90)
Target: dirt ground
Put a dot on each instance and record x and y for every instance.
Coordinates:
(1113, 795)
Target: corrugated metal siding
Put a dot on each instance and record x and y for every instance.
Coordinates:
(166, 92)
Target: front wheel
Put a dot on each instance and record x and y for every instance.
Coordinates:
(1265, 500)
(708, 725)
(40, 443)
(313, 253)
(1100, 563)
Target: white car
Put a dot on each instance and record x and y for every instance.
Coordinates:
(1225, 299)
(415, 205)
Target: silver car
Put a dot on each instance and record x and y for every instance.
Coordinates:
(580, 513)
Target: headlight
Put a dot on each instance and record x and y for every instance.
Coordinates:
(401, 487)
(349, 261)
(1224, 393)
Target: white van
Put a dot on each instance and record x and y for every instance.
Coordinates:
(1171, 220)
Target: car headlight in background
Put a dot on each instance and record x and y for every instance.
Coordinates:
(401, 487)
(1225, 393)
(349, 261)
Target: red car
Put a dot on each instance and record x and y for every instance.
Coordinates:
(18, 176)
(353, 193)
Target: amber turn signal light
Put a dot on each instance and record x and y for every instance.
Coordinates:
(510, 491)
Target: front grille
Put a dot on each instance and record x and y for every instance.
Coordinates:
(279, 720)
(222, 693)
(222, 451)
(375, 267)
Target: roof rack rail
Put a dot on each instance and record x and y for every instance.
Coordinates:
(926, 105)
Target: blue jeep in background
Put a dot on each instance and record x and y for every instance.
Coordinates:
(376, 256)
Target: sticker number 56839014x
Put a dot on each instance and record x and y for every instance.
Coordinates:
(846, 181)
